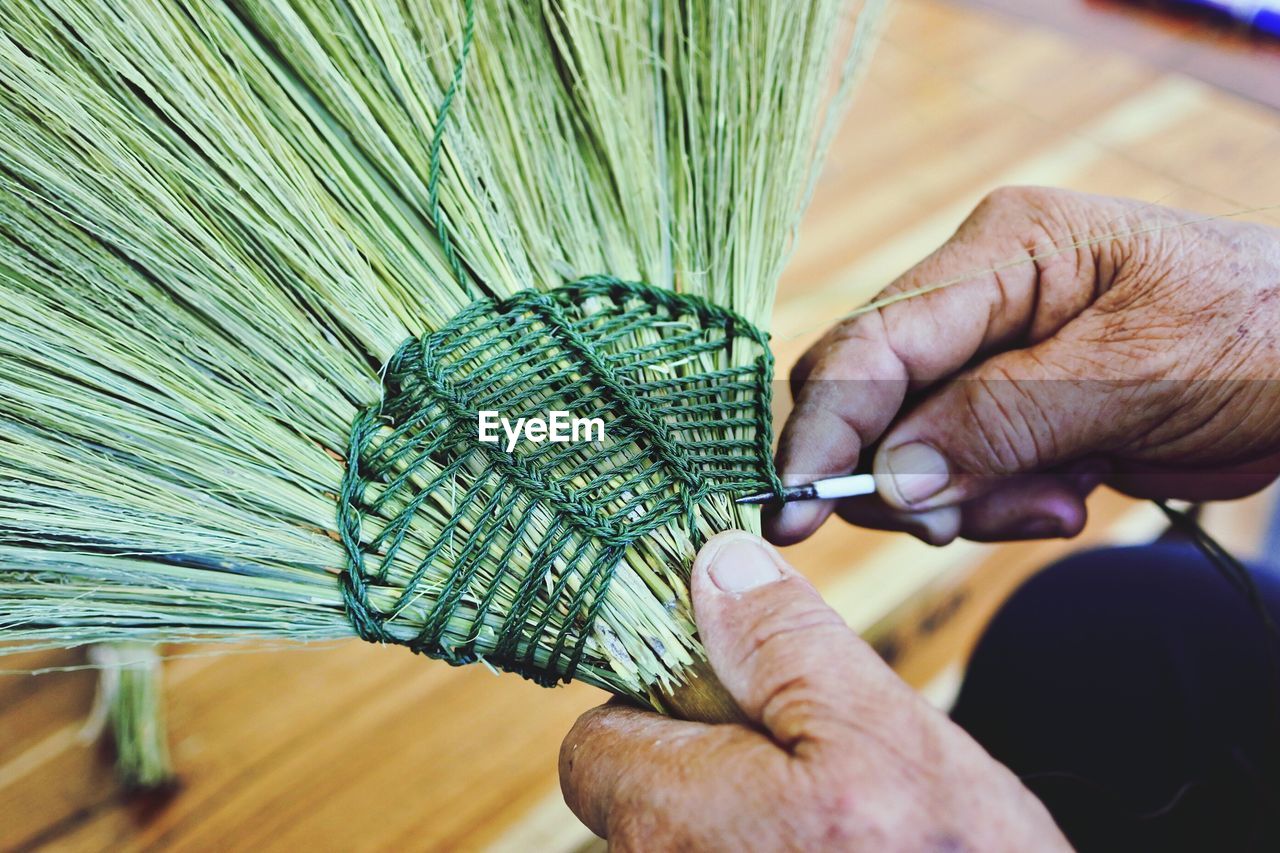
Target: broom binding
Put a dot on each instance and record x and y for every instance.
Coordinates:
(593, 346)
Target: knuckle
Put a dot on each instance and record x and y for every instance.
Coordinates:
(1059, 246)
(1021, 201)
(778, 656)
(1004, 198)
(776, 635)
(576, 753)
(628, 830)
(1010, 436)
(584, 729)
(798, 700)
(830, 358)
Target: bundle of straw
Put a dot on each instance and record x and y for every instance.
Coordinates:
(130, 707)
(233, 232)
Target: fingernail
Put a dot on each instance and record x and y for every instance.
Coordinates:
(919, 472)
(743, 563)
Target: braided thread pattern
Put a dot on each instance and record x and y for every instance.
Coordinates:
(508, 556)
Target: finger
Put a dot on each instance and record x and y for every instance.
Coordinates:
(1011, 288)
(623, 764)
(987, 273)
(1041, 506)
(603, 759)
(791, 663)
(933, 527)
(833, 420)
(1219, 483)
(1031, 507)
(1016, 413)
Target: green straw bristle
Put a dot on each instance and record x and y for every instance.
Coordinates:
(130, 707)
(220, 220)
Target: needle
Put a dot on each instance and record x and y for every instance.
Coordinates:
(828, 489)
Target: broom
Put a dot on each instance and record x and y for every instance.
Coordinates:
(265, 263)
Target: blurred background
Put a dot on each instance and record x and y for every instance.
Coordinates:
(352, 747)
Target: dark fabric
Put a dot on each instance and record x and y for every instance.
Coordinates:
(1133, 691)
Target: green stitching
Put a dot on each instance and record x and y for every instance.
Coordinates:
(536, 352)
(437, 145)
(540, 351)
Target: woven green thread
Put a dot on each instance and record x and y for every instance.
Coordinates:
(437, 145)
(540, 351)
(525, 355)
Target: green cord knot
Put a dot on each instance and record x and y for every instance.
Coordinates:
(463, 550)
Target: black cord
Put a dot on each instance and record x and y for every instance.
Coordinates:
(1239, 577)
(1231, 569)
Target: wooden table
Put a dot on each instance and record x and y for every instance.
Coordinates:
(354, 747)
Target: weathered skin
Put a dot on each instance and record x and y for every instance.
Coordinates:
(1128, 359)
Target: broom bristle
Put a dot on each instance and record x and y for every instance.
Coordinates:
(219, 219)
(130, 706)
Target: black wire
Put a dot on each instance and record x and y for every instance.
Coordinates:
(1238, 576)
(1231, 569)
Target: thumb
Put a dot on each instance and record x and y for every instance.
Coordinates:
(790, 662)
(1021, 412)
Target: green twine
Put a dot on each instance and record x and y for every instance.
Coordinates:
(437, 146)
(576, 508)
(572, 510)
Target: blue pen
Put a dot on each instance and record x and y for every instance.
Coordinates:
(1261, 15)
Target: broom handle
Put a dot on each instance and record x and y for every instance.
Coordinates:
(703, 699)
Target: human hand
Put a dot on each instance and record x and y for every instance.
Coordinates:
(1143, 354)
(840, 753)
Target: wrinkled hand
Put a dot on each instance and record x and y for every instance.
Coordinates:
(842, 754)
(1114, 341)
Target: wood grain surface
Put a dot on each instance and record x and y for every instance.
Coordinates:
(354, 747)
(1200, 43)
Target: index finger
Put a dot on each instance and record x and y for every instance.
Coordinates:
(620, 765)
(1010, 286)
